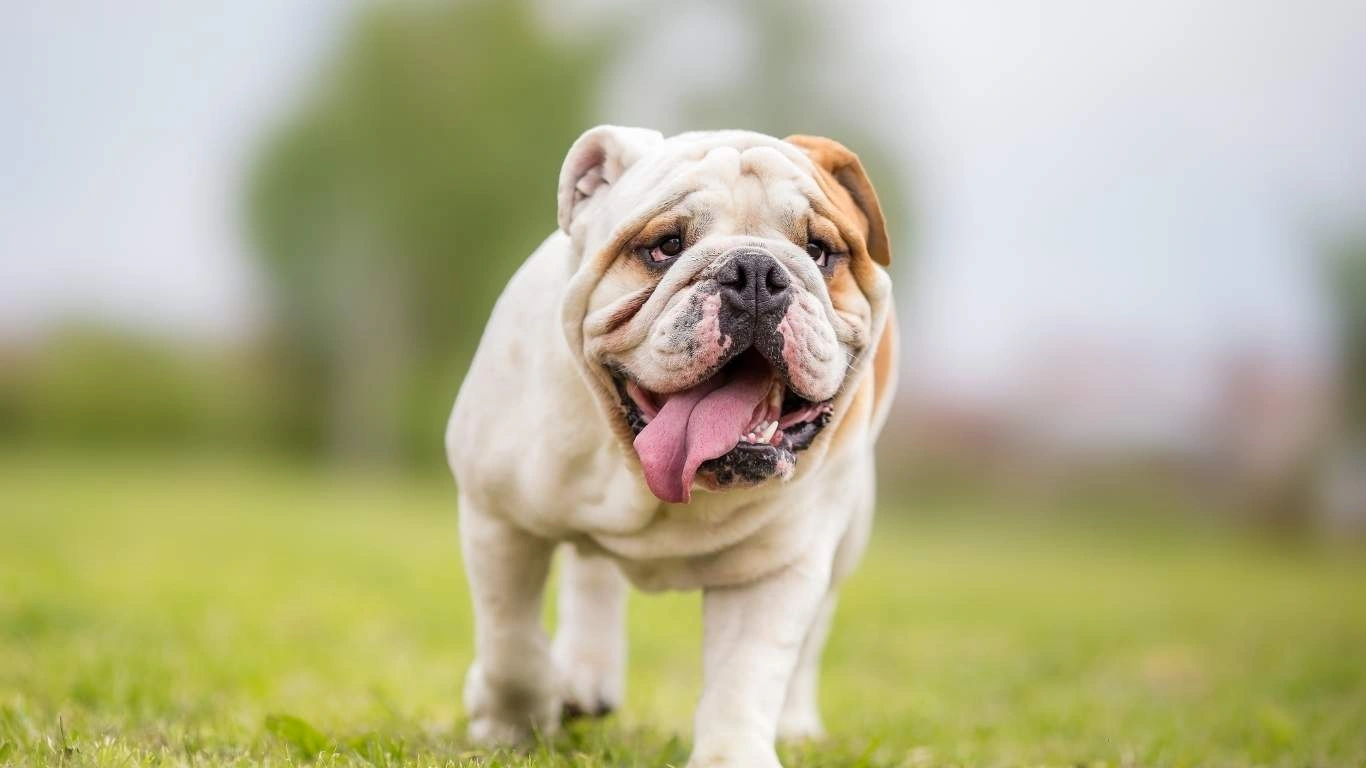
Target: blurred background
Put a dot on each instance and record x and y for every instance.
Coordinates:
(1130, 237)
(247, 250)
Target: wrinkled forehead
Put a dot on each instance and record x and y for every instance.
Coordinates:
(742, 181)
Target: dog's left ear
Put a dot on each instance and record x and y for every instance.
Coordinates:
(597, 160)
(844, 168)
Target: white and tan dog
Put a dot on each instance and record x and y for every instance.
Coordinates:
(683, 385)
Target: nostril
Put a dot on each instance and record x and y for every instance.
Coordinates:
(726, 275)
(776, 280)
(732, 275)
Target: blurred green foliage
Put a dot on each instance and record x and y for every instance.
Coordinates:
(394, 206)
(95, 389)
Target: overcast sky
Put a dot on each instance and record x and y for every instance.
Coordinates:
(1156, 170)
(1153, 170)
(122, 150)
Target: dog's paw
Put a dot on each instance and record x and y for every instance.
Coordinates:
(492, 731)
(725, 758)
(735, 747)
(502, 716)
(796, 727)
(591, 683)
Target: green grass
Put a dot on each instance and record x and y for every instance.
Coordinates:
(211, 613)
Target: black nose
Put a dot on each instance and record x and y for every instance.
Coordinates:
(753, 281)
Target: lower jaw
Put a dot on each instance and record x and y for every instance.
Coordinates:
(747, 464)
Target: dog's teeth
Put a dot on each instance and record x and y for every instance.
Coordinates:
(767, 434)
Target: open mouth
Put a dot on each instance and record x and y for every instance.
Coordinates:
(738, 427)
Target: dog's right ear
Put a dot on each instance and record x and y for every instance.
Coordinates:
(596, 161)
(843, 167)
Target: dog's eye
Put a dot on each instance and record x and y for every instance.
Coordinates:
(667, 248)
(818, 252)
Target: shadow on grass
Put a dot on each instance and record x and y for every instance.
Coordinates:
(579, 743)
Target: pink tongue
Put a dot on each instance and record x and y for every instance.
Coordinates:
(696, 425)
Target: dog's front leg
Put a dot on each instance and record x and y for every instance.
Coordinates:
(752, 636)
(510, 690)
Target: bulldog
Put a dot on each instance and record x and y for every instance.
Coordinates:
(679, 389)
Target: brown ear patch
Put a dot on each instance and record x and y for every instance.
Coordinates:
(844, 181)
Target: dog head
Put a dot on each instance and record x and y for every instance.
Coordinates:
(728, 290)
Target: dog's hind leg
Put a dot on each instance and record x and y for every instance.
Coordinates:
(590, 641)
(510, 690)
(801, 716)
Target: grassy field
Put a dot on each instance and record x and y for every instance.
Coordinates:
(209, 613)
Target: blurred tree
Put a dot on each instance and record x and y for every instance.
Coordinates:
(393, 207)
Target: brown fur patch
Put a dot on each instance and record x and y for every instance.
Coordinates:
(858, 214)
(847, 295)
(842, 178)
(885, 361)
(874, 394)
(857, 414)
